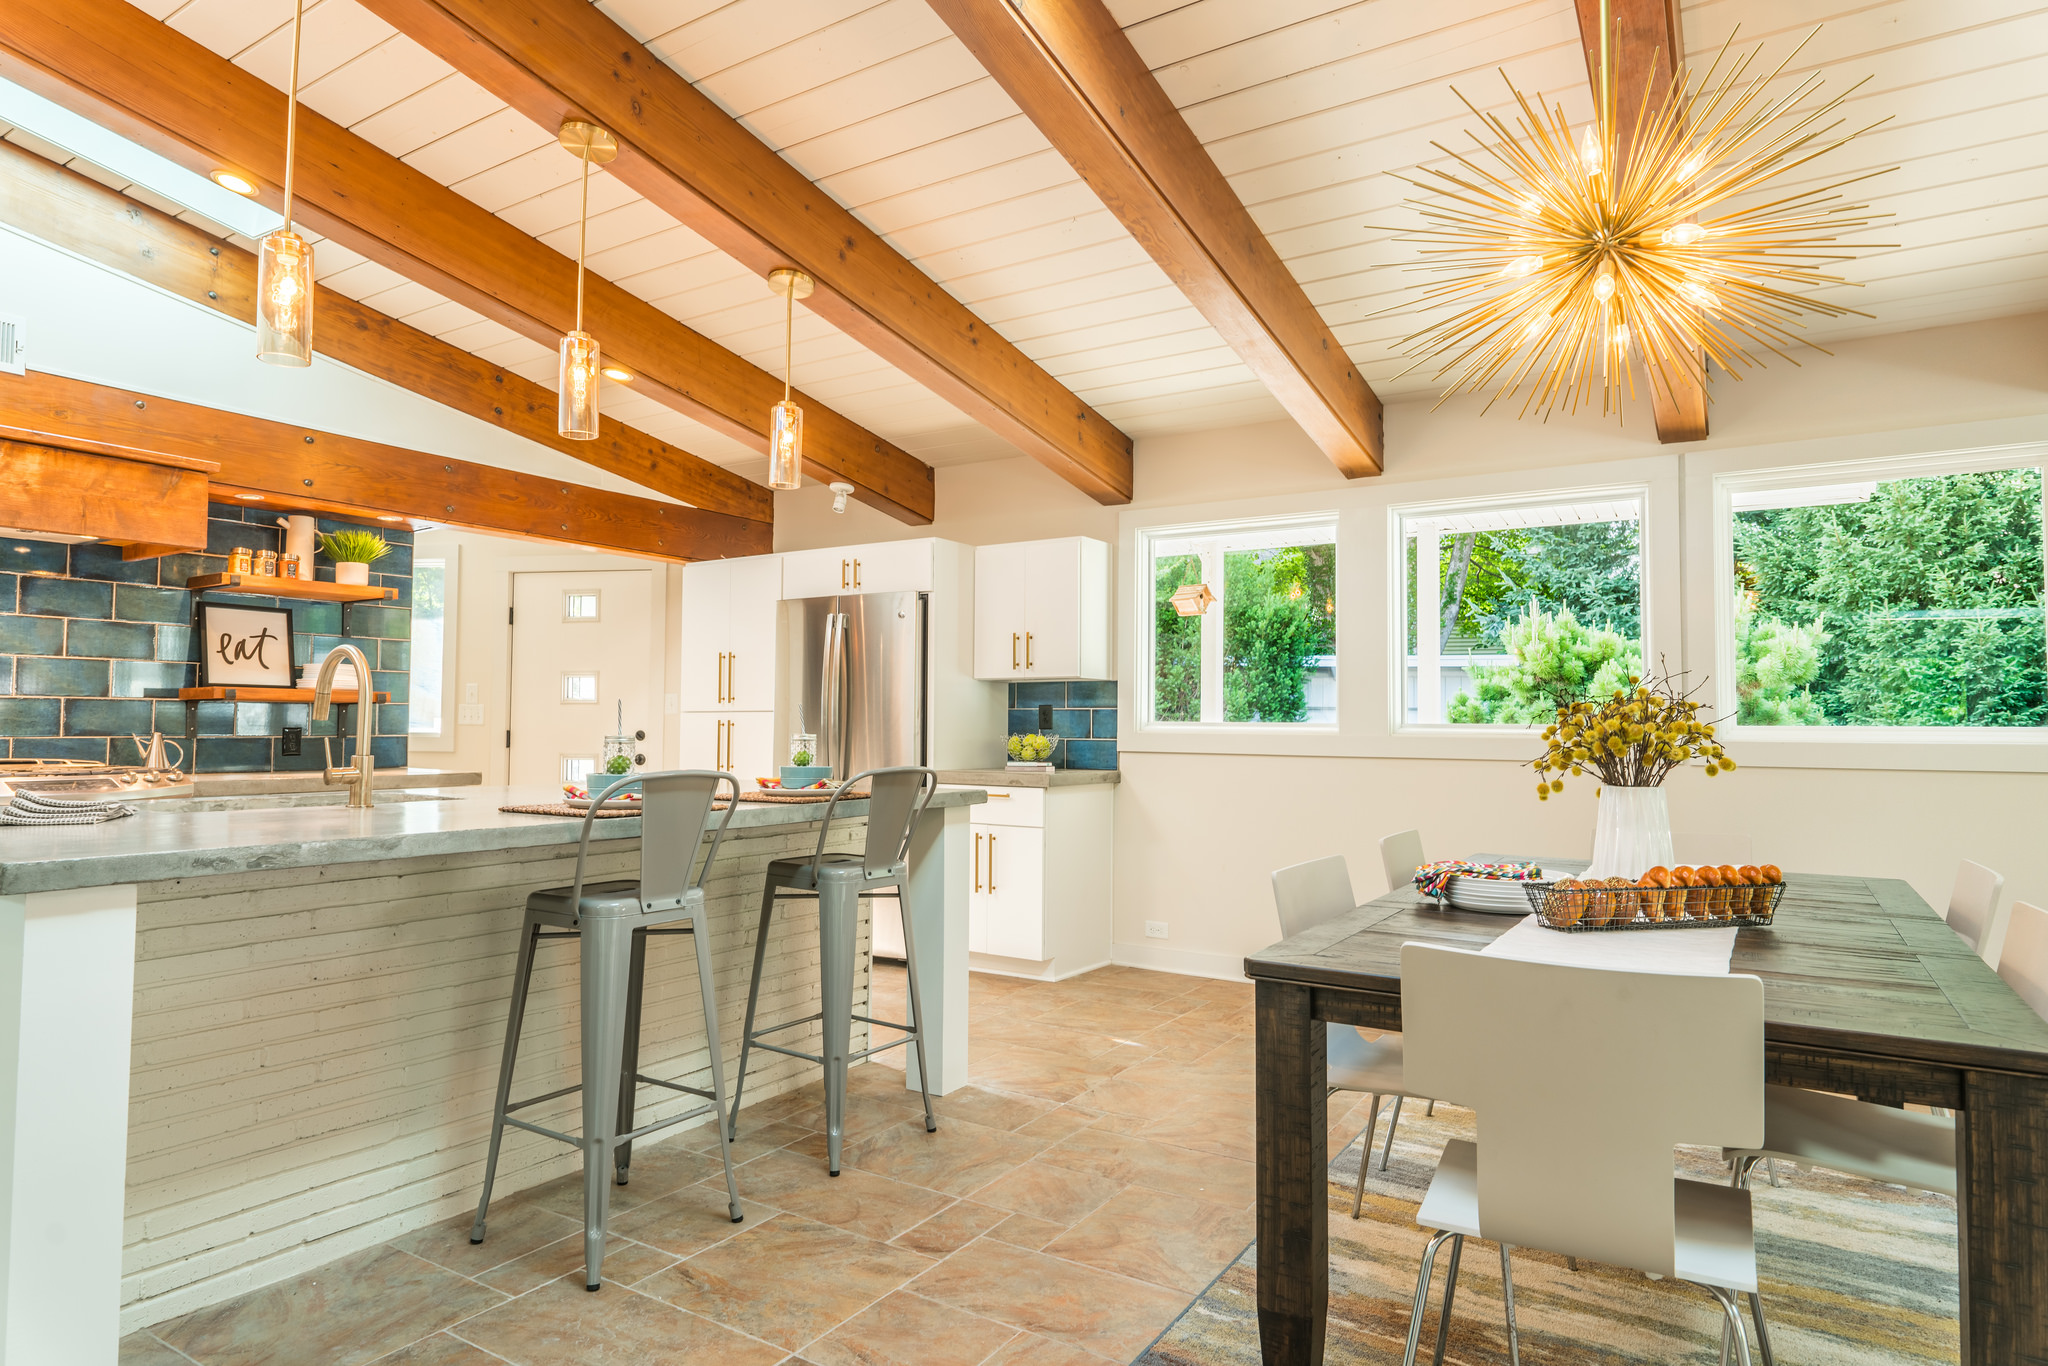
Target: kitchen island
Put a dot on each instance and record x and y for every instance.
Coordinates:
(282, 1023)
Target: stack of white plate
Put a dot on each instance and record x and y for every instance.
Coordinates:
(1494, 896)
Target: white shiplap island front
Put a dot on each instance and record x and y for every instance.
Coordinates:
(282, 1026)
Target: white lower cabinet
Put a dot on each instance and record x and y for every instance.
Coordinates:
(741, 743)
(1043, 880)
(1009, 891)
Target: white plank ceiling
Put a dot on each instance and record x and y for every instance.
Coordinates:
(1305, 105)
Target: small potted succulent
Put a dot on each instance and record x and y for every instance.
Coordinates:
(800, 771)
(353, 552)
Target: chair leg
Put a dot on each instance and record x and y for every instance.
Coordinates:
(1507, 1290)
(1430, 1113)
(739, 1080)
(607, 966)
(1393, 1123)
(1422, 1276)
(1763, 1332)
(1372, 1124)
(629, 1058)
(924, 1084)
(522, 977)
(700, 931)
(1443, 1323)
(838, 928)
(1771, 1166)
(1732, 1329)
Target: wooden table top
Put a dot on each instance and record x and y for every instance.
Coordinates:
(1849, 963)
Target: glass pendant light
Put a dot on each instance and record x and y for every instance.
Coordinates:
(284, 270)
(577, 378)
(785, 419)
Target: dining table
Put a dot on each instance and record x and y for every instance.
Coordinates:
(1867, 992)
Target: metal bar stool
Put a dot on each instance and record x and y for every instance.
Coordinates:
(837, 882)
(613, 919)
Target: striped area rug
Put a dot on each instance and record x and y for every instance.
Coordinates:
(1852, 1274)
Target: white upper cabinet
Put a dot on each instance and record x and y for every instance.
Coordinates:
(728, 628)
(885, 567)
(1041, 609)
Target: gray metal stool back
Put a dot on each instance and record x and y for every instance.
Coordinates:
(613, 920)
(896, 799)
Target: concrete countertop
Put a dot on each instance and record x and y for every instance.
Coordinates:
(161, 842)
(1007, 777)
(265, 784)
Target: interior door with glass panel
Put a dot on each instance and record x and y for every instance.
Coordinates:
(580, 650)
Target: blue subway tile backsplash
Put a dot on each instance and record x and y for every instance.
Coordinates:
(1083, 716)
(90, 643)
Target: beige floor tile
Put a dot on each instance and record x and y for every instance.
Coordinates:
(951, 1228)
(1225, 1133)
(1041, 1072)
(787, 1280)
(440, 1350)
(1168, 1240)
(1074, 1305)
(624, 1263)
(1158, 1166)
(658, 1177)
(1115, 1016)
(990, 1109)
(145, 1349)
(1029, 1349)
(856, 1200)
(960, 1157)
(685, 1159)
(513, 1230)
(1056, 1124)
(349, 1311)
(909, 1330)
(1044, 1191)
(688, 1221)
(1021, 1230)
(561, 1324)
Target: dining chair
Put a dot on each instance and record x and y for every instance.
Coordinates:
(1312, 894)
(1560, 1062)
(2024, 964)
(1973, 908)
(1401, 855)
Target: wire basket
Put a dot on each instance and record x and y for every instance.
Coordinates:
(1576, 909)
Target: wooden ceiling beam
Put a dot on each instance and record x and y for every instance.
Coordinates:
(1645, 44)
(1069, 66)
(60, 206)
(299, 467)
(552, 59)
(115, 63)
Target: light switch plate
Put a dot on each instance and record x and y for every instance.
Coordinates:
(469, 693)
(470, 714)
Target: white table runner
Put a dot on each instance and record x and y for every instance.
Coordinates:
(1694, 952)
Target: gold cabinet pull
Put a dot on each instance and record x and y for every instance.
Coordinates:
(1013, 651)
(1027, 651)
(991, 865)
(856, 573)
(842, 575)
(977, 863)
(732, 677)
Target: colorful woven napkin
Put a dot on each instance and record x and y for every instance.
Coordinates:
(1432, 878)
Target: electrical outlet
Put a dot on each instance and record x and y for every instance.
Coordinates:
(1155, 929)
(469, 693)
(470, 714)
(291, 745)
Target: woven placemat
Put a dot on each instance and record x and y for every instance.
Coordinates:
(795, 798)
(564, 809)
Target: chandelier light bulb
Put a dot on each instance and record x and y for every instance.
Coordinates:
(1520, 266)
(1532, 206)
(576, 382)
(1701, 297)
(1621, 336)
(785, 445)
(1684, 235)
(1692, 166)
(1603, 284)
(1536, 328)
(1589, 149)
(284, 300)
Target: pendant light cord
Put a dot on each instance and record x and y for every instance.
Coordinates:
(788, 324)
(582, 230)
(1606, 76)
(291, 112)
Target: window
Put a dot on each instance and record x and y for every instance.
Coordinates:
(1909, 599)
(427, 695)
(579, 687)
(579, 607)
(577, 767)
(1244, 624)
(1509, 611)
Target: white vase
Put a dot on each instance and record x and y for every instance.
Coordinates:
(348, 572)
(1632, 834)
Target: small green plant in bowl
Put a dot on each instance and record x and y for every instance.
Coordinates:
(353, 552)
(1031, 749)
(800, 759)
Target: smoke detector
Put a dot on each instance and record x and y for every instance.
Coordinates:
(840, 493)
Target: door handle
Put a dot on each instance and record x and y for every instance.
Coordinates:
(1013, 651)
(991, 865)
(1027, 651)
(977, 863)
(856, 573)
(842, 575)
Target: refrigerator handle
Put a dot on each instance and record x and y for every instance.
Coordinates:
(834, 735)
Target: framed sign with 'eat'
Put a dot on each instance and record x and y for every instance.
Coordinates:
(249, 647)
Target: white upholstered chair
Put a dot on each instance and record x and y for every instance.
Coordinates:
(1973, 909)
(1312, 894)
(1401, 855)
(1559, 1062)
(2024, 964)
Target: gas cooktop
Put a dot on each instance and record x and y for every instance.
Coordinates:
(87, 778)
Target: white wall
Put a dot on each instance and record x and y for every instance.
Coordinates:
(1198, 834)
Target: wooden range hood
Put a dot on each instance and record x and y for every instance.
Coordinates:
(147, 502)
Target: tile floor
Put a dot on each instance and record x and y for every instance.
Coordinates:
(1088, 1185)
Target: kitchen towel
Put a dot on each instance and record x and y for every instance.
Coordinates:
(29, 809)
(1701, 952)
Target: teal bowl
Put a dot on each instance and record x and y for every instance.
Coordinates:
(793, 776)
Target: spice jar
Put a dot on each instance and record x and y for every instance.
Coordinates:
(241, 560)
(288, 566)
(266, 563)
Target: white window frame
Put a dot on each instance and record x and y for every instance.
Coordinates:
(440, 741)
(1400, 514)
(1904, 746)
(1219, 534)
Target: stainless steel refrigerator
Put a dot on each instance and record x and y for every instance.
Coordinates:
(858, 670)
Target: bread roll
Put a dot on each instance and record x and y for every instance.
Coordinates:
(1651, 892)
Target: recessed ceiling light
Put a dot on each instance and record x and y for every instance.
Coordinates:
(619, 373)
(385, 517)
(228, 180)
(21, 550)
(250, 497)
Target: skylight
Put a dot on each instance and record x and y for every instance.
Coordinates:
(81, 137)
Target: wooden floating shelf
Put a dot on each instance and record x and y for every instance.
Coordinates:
(269, 586)
(227, 694)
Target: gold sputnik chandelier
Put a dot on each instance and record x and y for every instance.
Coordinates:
(1566, 260)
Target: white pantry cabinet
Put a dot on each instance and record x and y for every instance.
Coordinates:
(885, 567)
(741, 743)
(1041, 610)
(728, 633)
(1042, 880)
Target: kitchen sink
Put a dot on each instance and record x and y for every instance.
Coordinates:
(178, 806)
